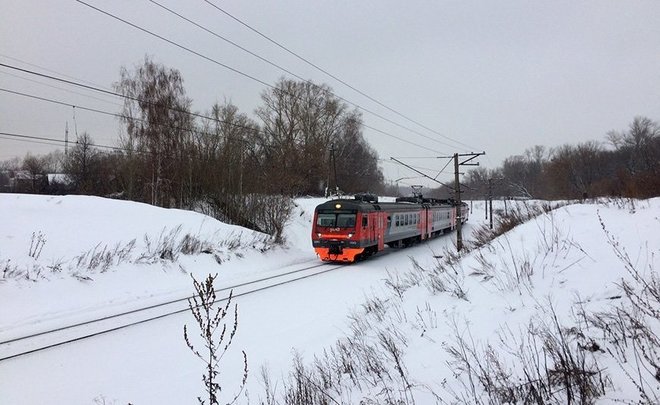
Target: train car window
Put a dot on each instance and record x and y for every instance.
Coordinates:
(364, 222)
(326, 220)
(345, 220)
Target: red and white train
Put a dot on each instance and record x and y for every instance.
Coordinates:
(346, 230)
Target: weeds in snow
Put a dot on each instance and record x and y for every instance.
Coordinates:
(216, 334)
(36, 245)
(166, 247)
(551, 366)
(629, 331)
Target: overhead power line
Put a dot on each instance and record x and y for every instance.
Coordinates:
(122, 116)
(279, 45)
(176, 109)
(39, 139)
(180, 16)
(61, 88)
(169, 41)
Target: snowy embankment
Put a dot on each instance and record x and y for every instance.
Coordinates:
(102, 256)
(422, 324)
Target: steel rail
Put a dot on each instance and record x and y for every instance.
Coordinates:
(152, 318)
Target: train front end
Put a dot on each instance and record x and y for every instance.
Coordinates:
(334, 233)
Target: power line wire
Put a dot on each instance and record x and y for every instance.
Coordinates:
(296, 75)
(37, 139)
(169, 41)
(177, 109)
(122, 116)
(60, 88)
(331, 75)
(50, 70)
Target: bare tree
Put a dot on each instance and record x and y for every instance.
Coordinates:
(81, 164)
(159, 129)
(302, 122)
(35, 166)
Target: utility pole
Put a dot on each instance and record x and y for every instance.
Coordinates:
(66, 139)
(459, 217)
(490, 200)
(457, 188)
(332, 166)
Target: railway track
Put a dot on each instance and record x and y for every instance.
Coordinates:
(48, 339)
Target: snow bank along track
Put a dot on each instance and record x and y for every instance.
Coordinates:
(48, 339)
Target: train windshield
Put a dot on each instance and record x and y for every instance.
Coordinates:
(332, 220)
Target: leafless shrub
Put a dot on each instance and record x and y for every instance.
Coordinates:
(215, 334)
(191, 244)
(305, 386)
(103, 257)
(367, 363)
(36, 245)
(263, 213)
(8, 270)
(505, 222)
(628, 204)
(629, 330)
(445, 276)
(269, 389)
(163, 248)
(375, 307)
(56, 266)
(551, 366)
(396, 284)
(426, 318)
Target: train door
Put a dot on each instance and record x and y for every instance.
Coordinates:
(422, 223)
(367, 232)
(381, 223)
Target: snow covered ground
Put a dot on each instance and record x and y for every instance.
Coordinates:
(433, 309)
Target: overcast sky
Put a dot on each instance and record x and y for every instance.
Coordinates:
(493, 76)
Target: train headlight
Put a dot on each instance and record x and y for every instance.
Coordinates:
(319, 235)
(350, 235)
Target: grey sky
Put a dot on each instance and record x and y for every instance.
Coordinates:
(499, 76)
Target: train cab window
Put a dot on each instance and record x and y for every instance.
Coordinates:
(364, 222)
(345, 220)
(326, 220)
(332, 220)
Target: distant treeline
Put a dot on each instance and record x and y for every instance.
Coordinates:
(627, 164)
(306, 138)
(306, 141)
